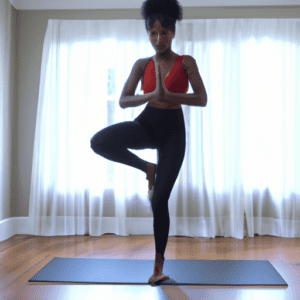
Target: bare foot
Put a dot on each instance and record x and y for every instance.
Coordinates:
(158, 267)
(154, 279)
(150, 178)
(150, 194)
(150, 174)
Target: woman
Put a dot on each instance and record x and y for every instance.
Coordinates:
(161, 124)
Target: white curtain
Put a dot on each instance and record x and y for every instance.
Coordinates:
(241, 170)
(5, 107)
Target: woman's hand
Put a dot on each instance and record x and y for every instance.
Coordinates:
(161, 92)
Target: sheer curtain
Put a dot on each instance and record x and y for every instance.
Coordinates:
(242, 162)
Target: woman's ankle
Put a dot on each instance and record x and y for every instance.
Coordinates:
(159, 264)
(160, 255)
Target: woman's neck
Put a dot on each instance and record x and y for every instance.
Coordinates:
(165, 56)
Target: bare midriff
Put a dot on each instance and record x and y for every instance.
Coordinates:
(163, 105)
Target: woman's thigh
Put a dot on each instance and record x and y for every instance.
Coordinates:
(129, 134)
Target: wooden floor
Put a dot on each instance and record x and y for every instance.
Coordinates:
(23, 255)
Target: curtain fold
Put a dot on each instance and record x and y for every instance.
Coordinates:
(242, 162)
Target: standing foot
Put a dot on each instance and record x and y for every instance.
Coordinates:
(154, 279)
(158, 267)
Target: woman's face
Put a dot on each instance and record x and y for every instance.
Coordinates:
(160, 38)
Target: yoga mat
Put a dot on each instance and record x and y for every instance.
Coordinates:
(181, 272)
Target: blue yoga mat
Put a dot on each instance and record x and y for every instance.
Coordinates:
(181, 272)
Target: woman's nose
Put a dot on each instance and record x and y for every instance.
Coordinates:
(159, 40)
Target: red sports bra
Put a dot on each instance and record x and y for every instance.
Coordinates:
(175, 82)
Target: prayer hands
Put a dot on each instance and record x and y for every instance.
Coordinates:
(161, 93)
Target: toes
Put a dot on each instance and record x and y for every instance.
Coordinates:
(162, 277)
(154, 279)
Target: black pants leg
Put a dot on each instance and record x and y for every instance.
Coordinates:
(171, 155)
(113, 142)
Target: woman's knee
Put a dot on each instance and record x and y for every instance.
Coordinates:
(108, 138)
(160, 198)
(97, 142)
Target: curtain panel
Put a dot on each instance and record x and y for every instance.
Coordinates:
(242, 162)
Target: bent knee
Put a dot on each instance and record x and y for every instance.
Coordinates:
(97, 144)
(93, 143)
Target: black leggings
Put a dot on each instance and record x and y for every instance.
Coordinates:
(161, 129)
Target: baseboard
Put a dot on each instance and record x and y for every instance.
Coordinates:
(21, 225)
(12, 226)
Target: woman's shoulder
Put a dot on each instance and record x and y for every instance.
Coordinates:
(186, 61)
(145, 61)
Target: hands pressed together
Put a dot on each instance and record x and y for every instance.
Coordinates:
(161, 93)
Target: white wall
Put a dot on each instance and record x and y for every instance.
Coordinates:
(7, 99)
(32, 25)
